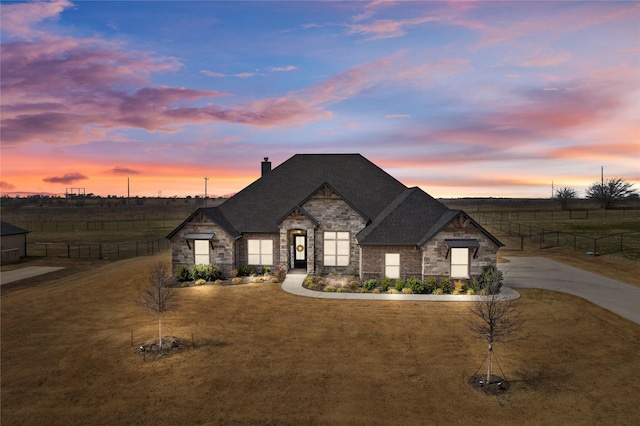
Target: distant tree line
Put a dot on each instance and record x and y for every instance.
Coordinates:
(608, 192)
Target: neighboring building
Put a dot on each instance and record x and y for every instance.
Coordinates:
(13, 241)
(335, 213)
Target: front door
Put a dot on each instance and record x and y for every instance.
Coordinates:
(300, 251)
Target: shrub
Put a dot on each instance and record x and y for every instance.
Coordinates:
(393, 291)
(430, 284)
(217, 282)
(275, 280)
(234, 273)
(281, 272)
(206, 272)
(353, 285)
(376, 291)
(266, 269)
(416, 285)
(445, 285)
(438, 291)
(319, 281)
(309, 279)
(330, 289)
(361, 290)
(201, 281)
(236, 280)
(370, 284)
(342, 290)
(407, 290)
(385, 283)
(458, 287)
(182, 274)
(470, 292)
(256, 280)
(490, 279)
(399, 285)
(483, 292)
(184, 284)
(473, 284)
(312, 286)
(246, 271)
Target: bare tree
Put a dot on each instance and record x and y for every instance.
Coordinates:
(565, 195)
(494, 319)
(610, 191)
(157, 295)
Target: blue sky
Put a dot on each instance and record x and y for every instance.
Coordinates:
(462, 99)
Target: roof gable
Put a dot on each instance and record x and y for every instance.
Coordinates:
(213, 214)
(405, 220)
(8, 229)
(261, 205)
(460, 220)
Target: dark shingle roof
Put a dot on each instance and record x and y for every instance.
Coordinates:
(8, 229)
(405, 220)
(260, 206)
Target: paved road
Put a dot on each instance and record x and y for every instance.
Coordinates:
(28, 272)
(538, 272)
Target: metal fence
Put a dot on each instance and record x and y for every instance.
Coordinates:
(100, 225)
(97, 251)
(516, 233)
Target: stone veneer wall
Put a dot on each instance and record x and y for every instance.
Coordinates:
(334, 214)
(243, 249)
(221, 253)
(297, 221)
(373, 258)
(435, 251)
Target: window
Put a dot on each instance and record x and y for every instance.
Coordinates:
(336, 248)
(392, 265)
(201, 252)
(459, 263)
(260, 252)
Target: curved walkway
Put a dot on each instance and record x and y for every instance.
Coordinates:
(538, 272)
(293, 284)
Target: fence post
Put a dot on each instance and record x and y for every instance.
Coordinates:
(574, 242)
(595, 246)
(621, 235)
(521, 242)
(118, 250)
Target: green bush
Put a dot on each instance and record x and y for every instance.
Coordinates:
(312, 286)
(342, 290)
(330, 289)
(246, 271)
(438, 291)
(385, 283)
(353, 285)
(490, 280)
(206, 272)
(416, 285)
(407, 290)
(445, 285)
(399, 285)
(266, 269)
(370, 284)
(430, 284)
(470, 292)
(182, 274)
(309, 279)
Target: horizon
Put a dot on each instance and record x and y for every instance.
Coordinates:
(462, 99)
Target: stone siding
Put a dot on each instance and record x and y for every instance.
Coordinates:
(334, 214)
(296, 221)
(373, 258)
(435, 258)
(221, 251)
(243, 249)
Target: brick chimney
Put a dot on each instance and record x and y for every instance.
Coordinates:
(266, 166)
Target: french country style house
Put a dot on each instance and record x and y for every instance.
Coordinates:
(335, 213)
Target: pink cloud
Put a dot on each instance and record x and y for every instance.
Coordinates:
(19, 19)
(6, 186)
(388, 28)
(542, 60)
(124, 171)
(68, 178)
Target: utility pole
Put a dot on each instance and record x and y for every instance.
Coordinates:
(602, 204)
(205, 191)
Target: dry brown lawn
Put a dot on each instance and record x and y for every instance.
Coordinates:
(263, 356)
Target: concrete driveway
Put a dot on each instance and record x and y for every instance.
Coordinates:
(538, 272)
(28, 272)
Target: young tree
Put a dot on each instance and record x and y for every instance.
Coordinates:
(493, 319)
(157, 295)
(610, 191)
(565, 195)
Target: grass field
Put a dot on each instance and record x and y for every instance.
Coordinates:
(263, 356)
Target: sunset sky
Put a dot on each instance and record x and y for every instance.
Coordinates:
(473, 98)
